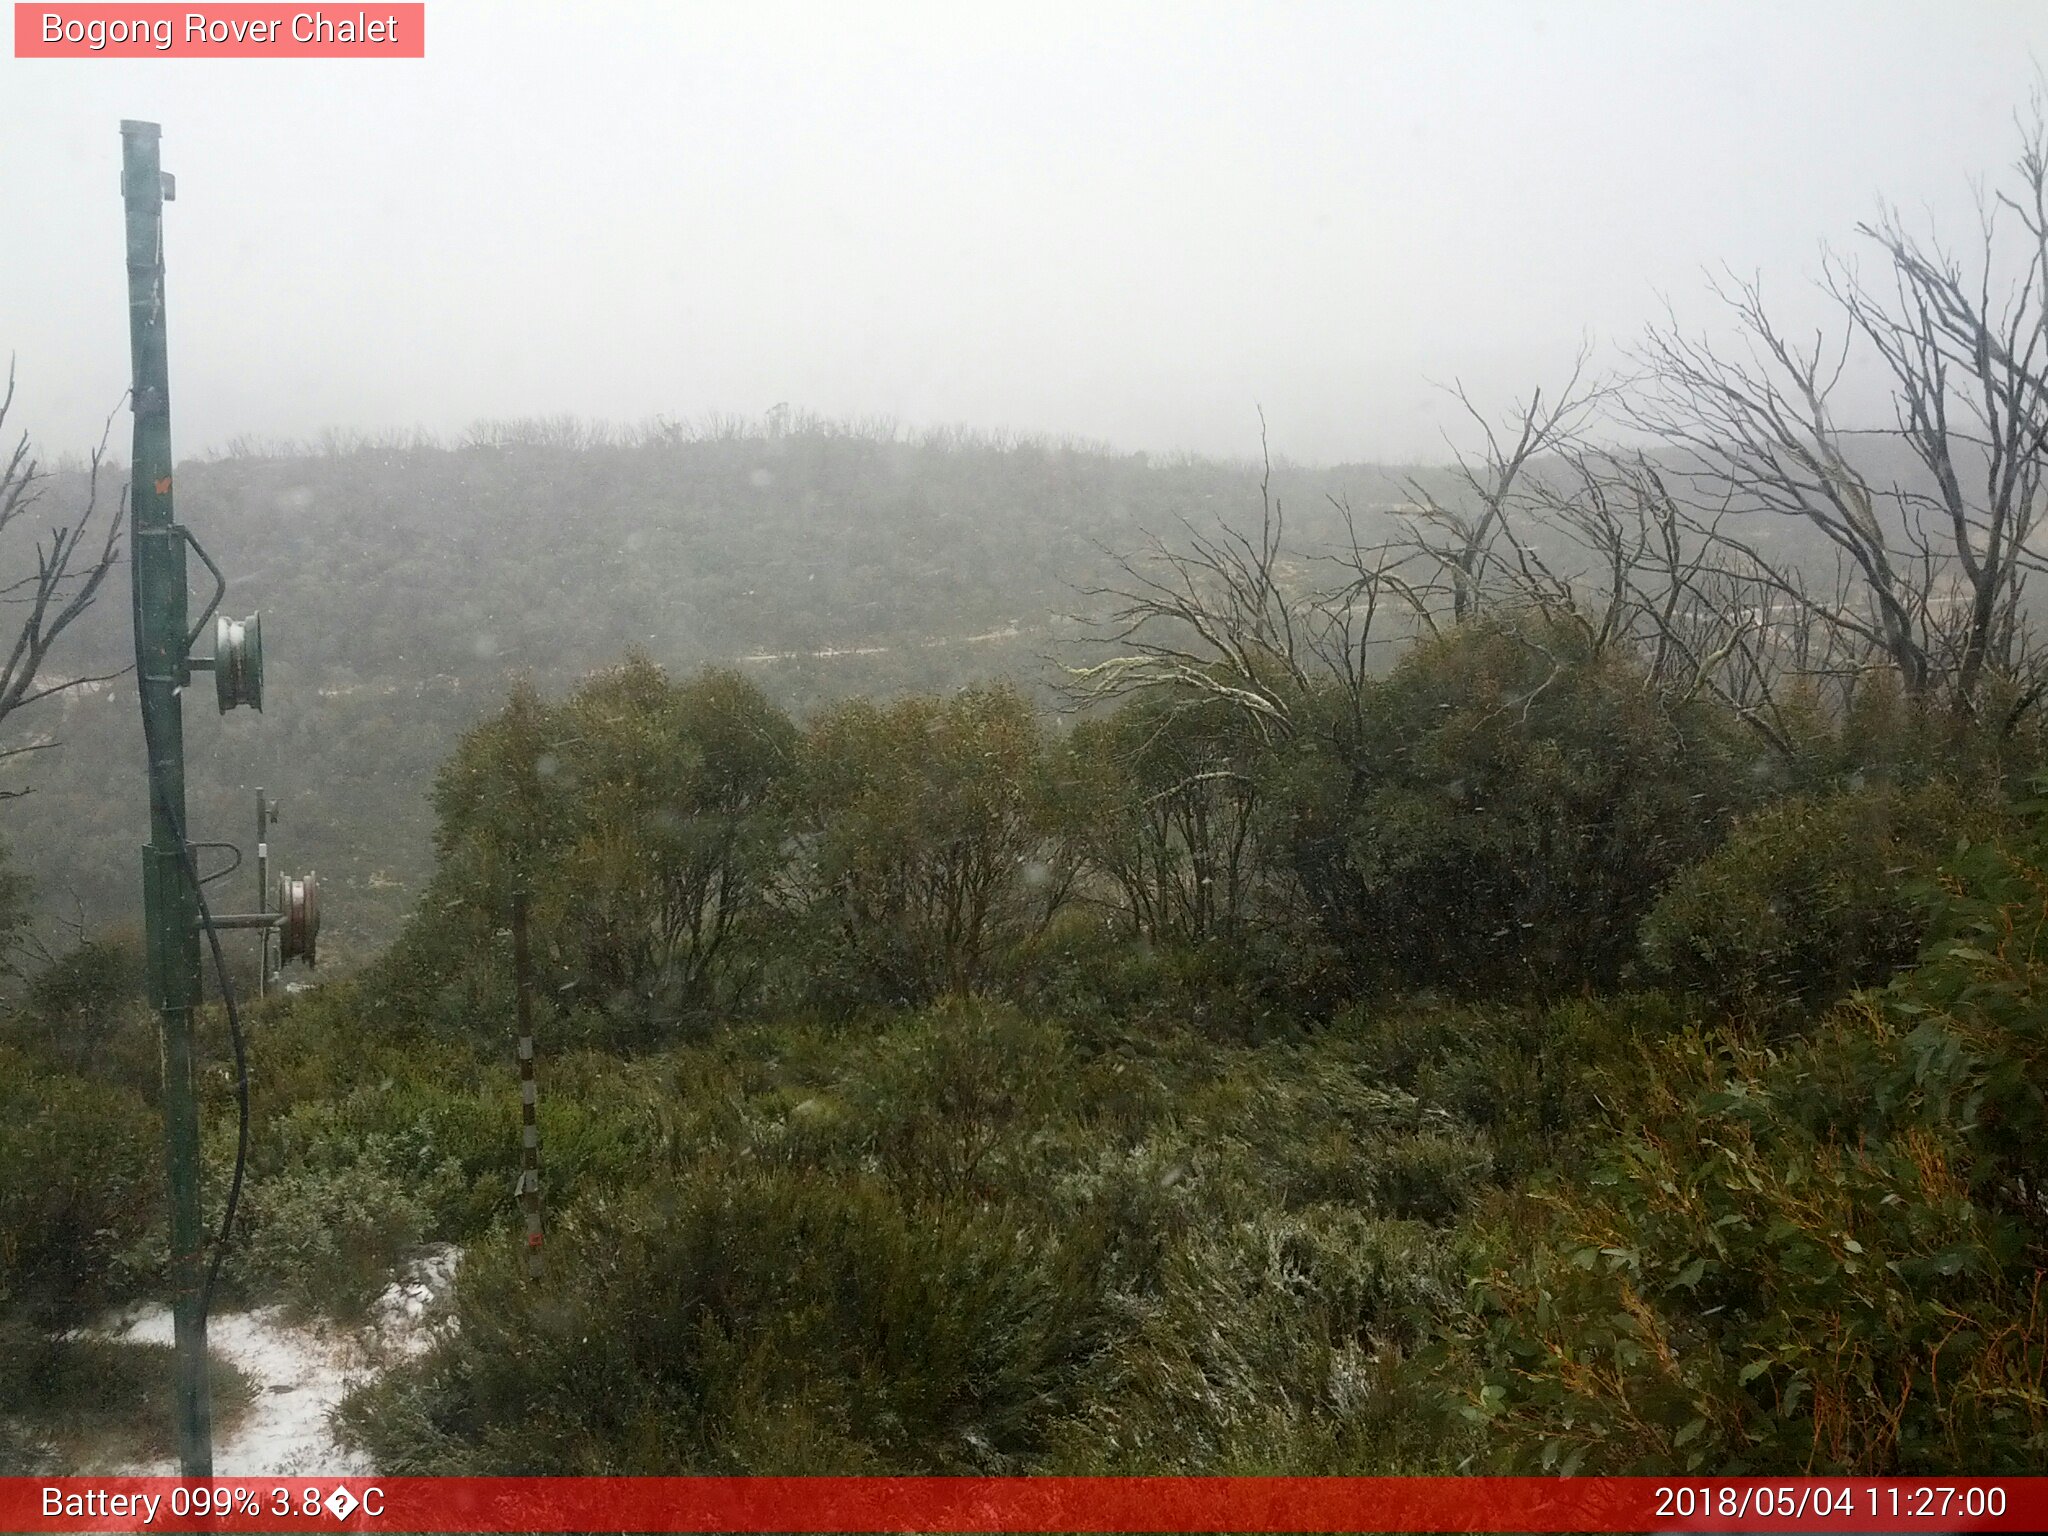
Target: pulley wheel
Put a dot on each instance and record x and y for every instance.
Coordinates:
(298, 898)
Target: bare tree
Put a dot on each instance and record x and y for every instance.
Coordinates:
(1214, 621)
(1597, 545)
(69, 565)
(1918, 573)
(1461, 539)
(1939, 564)
(1231, 616)
(1703, 611)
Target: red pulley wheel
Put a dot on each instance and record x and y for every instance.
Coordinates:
(298, 898)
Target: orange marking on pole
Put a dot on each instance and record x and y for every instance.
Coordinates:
(163, 486)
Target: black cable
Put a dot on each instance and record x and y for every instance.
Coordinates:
(223, 873)
(161, 801)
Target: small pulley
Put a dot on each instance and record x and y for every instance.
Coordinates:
(238, 661)
(298, 905)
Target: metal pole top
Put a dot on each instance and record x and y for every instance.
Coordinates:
(134, 128)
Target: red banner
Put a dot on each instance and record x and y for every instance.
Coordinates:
(223, 31)
(1002, 1504)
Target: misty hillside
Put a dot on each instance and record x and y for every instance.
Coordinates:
(403, 586)
(1494, 925)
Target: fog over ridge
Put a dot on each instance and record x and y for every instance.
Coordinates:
(1131, 226)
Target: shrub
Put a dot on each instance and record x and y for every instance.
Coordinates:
(924, 858)
(1160, 800)
(1507, 814)
(1734, 1291)
(68, 1404)
(84, 1013)
(81, 1192)
(953, 1241)
(1274, 1345)
(1294, 1125)
(333, 1209)
(1821, 1258)
(747, 1320)
(1259, 985)
(1534, 1079)
(942, 1103)
(645, 821)
(1808, 900)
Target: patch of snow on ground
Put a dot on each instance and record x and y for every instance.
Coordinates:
(409, 1314)
(301, 1372)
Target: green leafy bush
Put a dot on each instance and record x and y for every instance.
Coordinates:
(1292, 1125)
(1504, 812)
(748, 1321)
(1161, 801)
(924, 858)
(1103, 983)
(81, 1192)
(1535, 1079)
(332, 1209)
(942, 1105)
(1808, 899)
(85, 1013)
(1826, 1257)
(1275, 1344)
(950, 1241)
(645, 821)
(75, 1403)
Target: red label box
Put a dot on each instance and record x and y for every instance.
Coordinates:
(224, 31)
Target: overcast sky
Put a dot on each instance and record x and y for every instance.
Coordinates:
(1122, 222)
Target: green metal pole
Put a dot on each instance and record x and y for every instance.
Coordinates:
(170, 913)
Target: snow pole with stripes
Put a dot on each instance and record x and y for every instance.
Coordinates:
(529, 1130)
